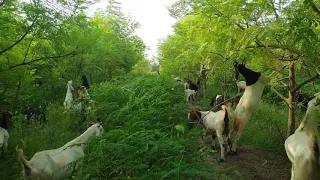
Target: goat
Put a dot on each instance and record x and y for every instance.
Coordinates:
(83, 93)
(255, 83)
(5, 124)
(193, 86)
(69, 98)
(219, 99)
(216, 124)
(55, 163)
(302, 147)
(190, 95)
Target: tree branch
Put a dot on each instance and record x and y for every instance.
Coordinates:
(273, 46)
(280, 95)
(284, 85)
(309, 73)
(305, 82)
(42, 58)
(27, 52)
(21, 38)
(217, 54)
(315, 9)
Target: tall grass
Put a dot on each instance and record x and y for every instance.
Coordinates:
(146, 135)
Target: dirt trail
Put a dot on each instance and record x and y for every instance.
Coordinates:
(252, 164)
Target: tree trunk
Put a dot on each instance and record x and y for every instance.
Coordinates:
(291, 100)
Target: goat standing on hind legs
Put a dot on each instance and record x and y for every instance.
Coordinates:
(69, 98)
(255, 83)
(303, 147)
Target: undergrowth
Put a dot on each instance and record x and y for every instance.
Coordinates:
(146, 134)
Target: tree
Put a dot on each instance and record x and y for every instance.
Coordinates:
(281, 37)
(54, 43)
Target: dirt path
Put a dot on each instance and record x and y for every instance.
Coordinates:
(252, 164)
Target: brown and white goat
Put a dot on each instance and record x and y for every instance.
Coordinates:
(302, 147)
(55, 164)
(5, 124)
(218, 100)
(255, 83)
(215, 124)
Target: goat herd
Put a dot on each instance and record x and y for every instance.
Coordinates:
(302, 147)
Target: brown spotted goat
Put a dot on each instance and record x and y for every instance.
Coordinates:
(216, 124)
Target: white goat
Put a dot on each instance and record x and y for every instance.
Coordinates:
(69, 98)
(190, 95)
(241, 86)
(5, 124)
(55, 164)
(255, 83)
(302, 147)
(4, 138)
(186, 85)
(215, 123)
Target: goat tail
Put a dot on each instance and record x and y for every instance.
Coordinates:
(22, 160)
(226, 121)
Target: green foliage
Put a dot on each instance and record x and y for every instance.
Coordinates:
(41, 41)
(146, 134)
(262, 33)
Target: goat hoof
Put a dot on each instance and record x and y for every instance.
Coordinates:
(221, 160)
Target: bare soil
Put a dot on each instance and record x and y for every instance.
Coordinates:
(251, 164)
